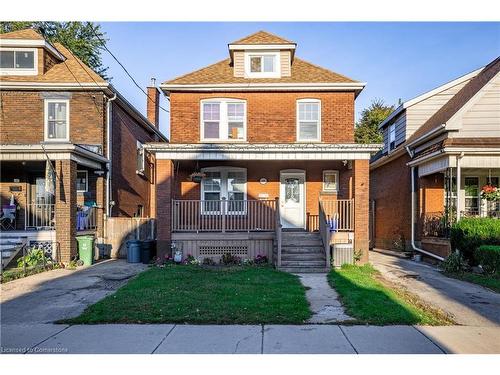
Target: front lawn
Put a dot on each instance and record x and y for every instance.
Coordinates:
(193, 294)
(489, 281)
(371, 300)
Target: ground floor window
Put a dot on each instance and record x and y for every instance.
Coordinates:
(471, 194)
(82, 181)
(224, 183)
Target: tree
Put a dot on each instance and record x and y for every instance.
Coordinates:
(367, 127)
(85, 39)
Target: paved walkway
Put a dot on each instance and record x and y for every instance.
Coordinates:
(267, 339)
(469, 304)
(62, 293)
(323, 299)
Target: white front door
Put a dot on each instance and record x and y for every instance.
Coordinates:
(292, 199)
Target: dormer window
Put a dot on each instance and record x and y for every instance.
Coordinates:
(262, 64)
(18, 61)
(392, 137)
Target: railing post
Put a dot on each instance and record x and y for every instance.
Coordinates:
(278, 231)
(223, 214)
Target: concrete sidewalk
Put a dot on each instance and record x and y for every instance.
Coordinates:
(250, 339)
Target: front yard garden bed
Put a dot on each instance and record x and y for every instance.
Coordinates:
(372, 300)
(204, 295)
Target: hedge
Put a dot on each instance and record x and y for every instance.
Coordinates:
(470, 233)
(488, 256)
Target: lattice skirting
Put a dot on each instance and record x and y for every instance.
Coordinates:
(216, 248)
(49, 247)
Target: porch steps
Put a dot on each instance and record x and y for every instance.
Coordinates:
(302, 252)
(10, 247)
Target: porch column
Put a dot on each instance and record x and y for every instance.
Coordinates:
(100, 206)
(361, 170)
(459, 188)
(65, 207)
(163, 183)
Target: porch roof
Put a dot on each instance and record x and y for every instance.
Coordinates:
(258, 151)
(53, 151)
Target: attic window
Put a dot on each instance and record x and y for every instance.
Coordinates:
(262, 64)
(18, 61)
(392, 137)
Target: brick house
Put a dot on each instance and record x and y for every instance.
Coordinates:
(447, 141)
(261, 158)
(71, 152)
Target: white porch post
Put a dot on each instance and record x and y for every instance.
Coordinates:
(459, 177)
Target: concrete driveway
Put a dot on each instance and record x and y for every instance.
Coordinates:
(61, 294)
(469, 304)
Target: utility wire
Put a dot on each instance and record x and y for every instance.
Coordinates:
(103, 43)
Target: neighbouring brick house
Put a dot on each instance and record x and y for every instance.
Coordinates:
(55, 109)
(262, 157)
(449, 139)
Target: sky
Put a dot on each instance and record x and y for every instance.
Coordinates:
(396, 60)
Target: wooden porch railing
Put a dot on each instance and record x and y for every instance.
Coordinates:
(223, 215)
(278, 226)
(334, 216)
(339, 214)
(39, 216)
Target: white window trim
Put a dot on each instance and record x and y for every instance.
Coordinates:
(389, 148)
(46, 120)
(478, 196)
(139, 146)
(223, 120)
(86, 181)
(298, 121)
(224, 193)
(336, 173)
(277, 64)
(20, 71)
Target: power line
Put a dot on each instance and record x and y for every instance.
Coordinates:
(103, 43)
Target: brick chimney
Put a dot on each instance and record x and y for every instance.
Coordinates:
(153, 106)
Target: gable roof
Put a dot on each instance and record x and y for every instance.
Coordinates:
(22, 34)
(453, 105)
(262, 37)
(222, 72)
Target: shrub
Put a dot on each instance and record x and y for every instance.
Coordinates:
(208, 262)
(34, 257)
(454, 263)
(470, 233)
(488, 256)
(260, 259)
(230, 259)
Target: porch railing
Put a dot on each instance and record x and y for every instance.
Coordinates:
(324, 230)
(86, 219)
(39, 216)
(436, 224)
(339, 214)
(475, 213)
(223, 215)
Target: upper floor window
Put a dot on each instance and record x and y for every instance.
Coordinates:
(392, 137)
(56, 120)
(18, 61)
(262, 64)
(140, 158)
(309, 120)
(223, 120)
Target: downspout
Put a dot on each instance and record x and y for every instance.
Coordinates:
(108, 154)
(413, 194)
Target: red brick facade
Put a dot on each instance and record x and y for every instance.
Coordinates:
(271, 116)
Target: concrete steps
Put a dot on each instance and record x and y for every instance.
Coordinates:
(9, 247)
(302, 252)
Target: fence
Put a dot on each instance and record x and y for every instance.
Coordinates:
(118, 230)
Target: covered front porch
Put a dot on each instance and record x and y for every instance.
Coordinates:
(450, 188)
(243, 203)
(49, 195)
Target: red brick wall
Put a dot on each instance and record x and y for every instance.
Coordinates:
(129, 189)
(164, 182)
(361, 188)
(390, 187)
(65, 215)
(22, 117)
(271, 117)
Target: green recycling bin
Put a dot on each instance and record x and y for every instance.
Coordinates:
(86, 249)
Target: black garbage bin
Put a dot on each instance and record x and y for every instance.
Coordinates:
(146, 251)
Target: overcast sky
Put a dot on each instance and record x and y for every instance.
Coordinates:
(396, 60)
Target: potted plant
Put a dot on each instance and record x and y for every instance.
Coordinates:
(490, 193)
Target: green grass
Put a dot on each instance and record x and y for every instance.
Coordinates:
(371, 300)
(193, 294)
(489, 281)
